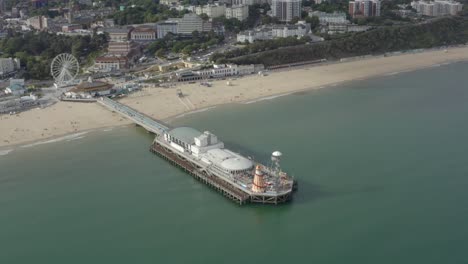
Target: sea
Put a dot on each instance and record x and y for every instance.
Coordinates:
(382, 167)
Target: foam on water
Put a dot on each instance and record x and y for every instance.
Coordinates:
(195, 111)
(265, 98)
(59, 139)
(5, 152)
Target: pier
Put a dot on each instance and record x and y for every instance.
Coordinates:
(138, 118)
(179, 153)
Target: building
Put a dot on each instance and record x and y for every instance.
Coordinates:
(204, 156)
(207, 145)
(219, 71)
(163, 28)
(38, 22)
(169, 2)
(118, 34)
(192, 22)
(108, 63)
(2, 6)
(286, 10)
(437, 8)
(364, 8)
(211, 11)
(71, 27)
(143, 34)
(16, 87)
(241, 12)
(336, 28)
(245, 2)
(94, 88)
(325, 18)
(251, 36)
(249, 69)
(122, 48)
(300, 29)
(8, 66)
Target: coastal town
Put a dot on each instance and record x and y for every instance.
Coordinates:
(57, 52)
(181, 43)
(326, 131)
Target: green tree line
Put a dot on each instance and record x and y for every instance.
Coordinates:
(144, 11)
(36, 50)
(438, 32)
(176, 44)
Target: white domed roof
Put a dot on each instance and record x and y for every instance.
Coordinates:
(237, 163)
(277, 154)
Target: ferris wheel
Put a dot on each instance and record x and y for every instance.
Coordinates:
(64, 68)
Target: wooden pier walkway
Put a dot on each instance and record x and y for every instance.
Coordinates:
(148, 123)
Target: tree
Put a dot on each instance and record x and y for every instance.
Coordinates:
(313, 21)
(160, 53)
(294, 20)
(187, 49)
(204, 16)
(195, 34)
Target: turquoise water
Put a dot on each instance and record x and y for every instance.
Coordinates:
(382, 169)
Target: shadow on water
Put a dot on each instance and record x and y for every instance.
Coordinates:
(310, 192)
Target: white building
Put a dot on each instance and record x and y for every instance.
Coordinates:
(241, 12)
(38, 22)
(325, 18)
(437, 8)
(211, 11)
(220, 71)
(247, 2)
(108, 63)
(208, 149)
(143, 34)
(8, 65)
(300, 29)
(192, 22)
(169, 2)
(286, 10)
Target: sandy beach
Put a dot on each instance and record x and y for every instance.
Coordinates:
(163, 103)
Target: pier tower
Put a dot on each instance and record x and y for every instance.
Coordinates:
(258, 182)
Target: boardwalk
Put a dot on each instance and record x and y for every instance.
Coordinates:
(138, 118)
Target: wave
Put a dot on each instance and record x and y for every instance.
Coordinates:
(195, 111)
(59, 139)
(5, 152)
(393, 73)
(76, 138)
(265, 98)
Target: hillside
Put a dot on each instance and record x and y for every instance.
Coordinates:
(439, 32)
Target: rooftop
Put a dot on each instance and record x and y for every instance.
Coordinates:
(117, 30)
(143, 29)
(185, 134)
(91, 86)
(228, 160)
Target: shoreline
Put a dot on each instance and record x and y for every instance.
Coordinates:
(66, 119)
